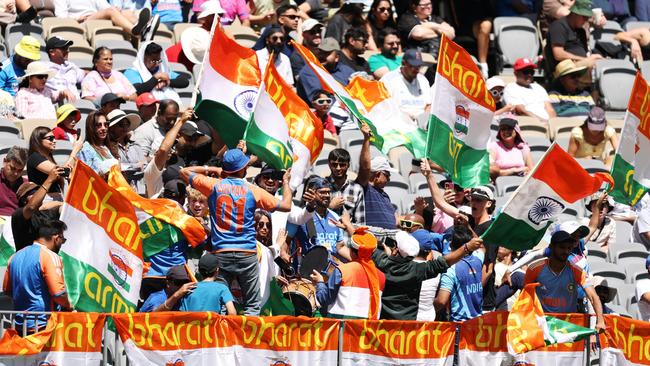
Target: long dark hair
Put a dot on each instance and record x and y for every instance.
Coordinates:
(36, 144)
(391, 18)
(91, 134)
(97, 53)
(258, 216)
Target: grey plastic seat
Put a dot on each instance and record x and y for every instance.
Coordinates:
(507, 184)
(636, 24)
(615, 80)
(8, 130)
(607, 33)
(516, 37)
(623, 231)
(593, 165)
(623, 292)
(612, 272)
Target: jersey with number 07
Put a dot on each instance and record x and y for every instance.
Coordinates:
(232, 203)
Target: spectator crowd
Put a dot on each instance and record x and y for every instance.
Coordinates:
(367, 239)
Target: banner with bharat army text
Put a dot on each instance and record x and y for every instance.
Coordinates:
(561, 354)
(67, 339)
(626, 342)
(175, 338)
(391, 342)
(102, 259)
(483, 340)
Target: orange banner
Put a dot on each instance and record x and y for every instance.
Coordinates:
(487, 333)
(630, 336)
(639, 104)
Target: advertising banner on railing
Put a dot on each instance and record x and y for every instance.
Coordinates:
(626, 342)
(483, 340)
(175, 339)
(75, 338)
(283, 340)
(565, 354)
(388, 342)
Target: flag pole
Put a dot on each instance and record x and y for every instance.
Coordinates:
(426, 146)
(206, 58)
(257, 97)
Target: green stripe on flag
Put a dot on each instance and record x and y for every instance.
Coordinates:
(506, 231)
(467, 167)
(89, 290)
(157, 236)
(274, 152)
(6, 251)
(228, 124)
(565, 332)
(626, 190)
(414, 141)
(377, 140)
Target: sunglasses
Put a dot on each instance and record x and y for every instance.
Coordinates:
(496, 93)
(156, 62)
(323, 101)
(277, 38)
(264, 224)
(338, 164)
(292, 17)
(408, 224)
(528, 72)
(49, 138)
(381, 10)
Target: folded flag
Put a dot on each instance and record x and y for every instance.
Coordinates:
(393, 125)
(228, 86)
(529, 329)
(631, 167)
(557, 181)
(7, 245)
(461, 116)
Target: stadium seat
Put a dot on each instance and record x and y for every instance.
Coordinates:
(321, 167)
(93, 24)
(612, 272)
(107, 33)
(576, 209)
(8, 130)
(50, 22)
(79, 52)
(593, 165)
(24, 29)
(516, 38)
(615, 79)
(163, 35)
(607, 33)
(645, 69)
(561, 126)
(180, 27)
(122, 61)
(623, 232)
(28, 125)
(68, 28)
(635, 25)
(508, 184)
(346, 135)
(85, 63)
(597, 253)
(623, 293)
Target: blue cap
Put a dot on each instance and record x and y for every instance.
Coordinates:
(413, 57)
(424, 238)
(647, 262)
(234, 160)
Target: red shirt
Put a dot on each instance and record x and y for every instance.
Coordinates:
(175, 54)
(8, 200)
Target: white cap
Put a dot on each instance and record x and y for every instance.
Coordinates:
(571, 227)
(381, 164)
(194, 42)
(309, 24)
(210, 7)
(483, 192)
(494, 82)
(407, 245)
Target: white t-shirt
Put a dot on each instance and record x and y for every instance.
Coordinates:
(426, 310)
(532, 98)
(641, 225)
(643, 287)
(412, 97)
(282, 64)
(77, 8)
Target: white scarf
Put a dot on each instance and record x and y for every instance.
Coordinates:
(145, 74)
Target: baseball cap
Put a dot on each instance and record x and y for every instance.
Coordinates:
(407, 245)
(582, 7)
(28, 47)
(596, 120)
(381, 164)
(190, 129)
(310, 24)
(174, 188)
(507, 121)
(329, 44)
(26, 189)
(524, 63)
(413, 57)
(483, 192)
(110, 97)
(493, 82)
(178, 273)
(208, 263)
(64, 111)
(209, 8)
(145, 99)
(424, 238)
(568, 230)
(57, 42)
(234, 160)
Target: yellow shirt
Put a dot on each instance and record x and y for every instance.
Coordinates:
(585, 149)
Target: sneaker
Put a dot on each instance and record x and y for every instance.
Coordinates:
(143, 18)
(150, 30)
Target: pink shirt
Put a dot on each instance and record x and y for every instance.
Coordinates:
(234, 9)
(32, 104)
(508, 158)
(441, 222)
(95, 86)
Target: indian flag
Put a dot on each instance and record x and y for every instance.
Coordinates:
(267, 135)
(162, 221)
(631, 167)
(556, 181)
(102, 259)
(393, 125)
(529, 329)
(228, 86)
(7, 246)
(461, 115)
(68, 338)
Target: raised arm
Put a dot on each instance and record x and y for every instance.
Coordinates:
(162, 154)
(364, 159)
(438, 198)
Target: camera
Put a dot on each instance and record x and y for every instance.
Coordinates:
(66, 172)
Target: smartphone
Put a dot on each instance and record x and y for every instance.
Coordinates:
(390, 242)
(66, 172)
(449, 186)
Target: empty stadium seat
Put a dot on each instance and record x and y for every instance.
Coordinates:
(612, 272)
(508, 184)
(561, 126)
(635, 25)
(623, 231)
(607, 33)
(593, 165)
(615, 80)
(8, 130)
(623, 292)
(516, 38)
(321, 167)
(50, 22)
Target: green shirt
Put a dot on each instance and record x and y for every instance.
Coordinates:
(378, 61)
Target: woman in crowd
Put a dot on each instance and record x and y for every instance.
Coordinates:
(34, 100)
(322, 102)
(589, 141)
(98, 151)
(509, 155)
(132, 159)
(263, 228)
(103, 79)
(151, 73)
(605, 234)
(67, 117)
(380, 17)
(41, 161)
(349, 16)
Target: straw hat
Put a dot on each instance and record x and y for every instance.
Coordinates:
(115, 116)
(194, 42)
(37, 68)
(567, 67)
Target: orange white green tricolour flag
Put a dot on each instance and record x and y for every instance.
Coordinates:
(461, 116)
(631, 167)
(556, 181)
(229, 84)
(68, 338)
(102, 259)
(393, 125)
